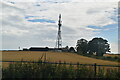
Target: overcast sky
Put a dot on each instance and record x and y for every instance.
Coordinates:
(35, 22)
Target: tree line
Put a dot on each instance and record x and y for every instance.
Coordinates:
(97, 46)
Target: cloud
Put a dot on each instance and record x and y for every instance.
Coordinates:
(34, 25)
(15, 32)
(95, 1)
(114, 50)
(61, 1)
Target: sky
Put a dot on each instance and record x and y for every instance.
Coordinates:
(35, 22)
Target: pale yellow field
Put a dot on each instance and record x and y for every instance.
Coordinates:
(51, 57)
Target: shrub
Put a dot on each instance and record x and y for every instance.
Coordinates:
(51, 71)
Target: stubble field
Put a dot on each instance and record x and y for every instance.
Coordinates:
(51, 57)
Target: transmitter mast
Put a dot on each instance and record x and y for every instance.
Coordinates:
(59, 38)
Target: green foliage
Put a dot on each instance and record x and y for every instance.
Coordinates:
(97, 45)
(71, 49)
(110, 73)
(81, 46)
(51, 71)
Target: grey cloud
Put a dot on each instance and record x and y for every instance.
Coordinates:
(92, 11)
(6, 6)
(54, 1)
(28, 40)
(68, 30)
(45, 34)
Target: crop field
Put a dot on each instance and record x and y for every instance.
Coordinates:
(51, 57)
(112, 55)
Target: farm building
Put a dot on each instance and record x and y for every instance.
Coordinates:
(45, 49)
(39, 49)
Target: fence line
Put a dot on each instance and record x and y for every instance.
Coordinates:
(94, 65)
(64, 63)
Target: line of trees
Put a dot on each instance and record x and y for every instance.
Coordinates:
(99, 46)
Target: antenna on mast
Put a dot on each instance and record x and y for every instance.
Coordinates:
(59, 38)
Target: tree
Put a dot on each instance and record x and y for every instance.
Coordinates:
(67, 48)
(99, 46)
(82, 46)
(71, 49)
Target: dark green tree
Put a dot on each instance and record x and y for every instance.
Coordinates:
(99, 46)
(82, 46)
(71, 49)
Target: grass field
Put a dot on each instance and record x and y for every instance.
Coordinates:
(50, 56)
